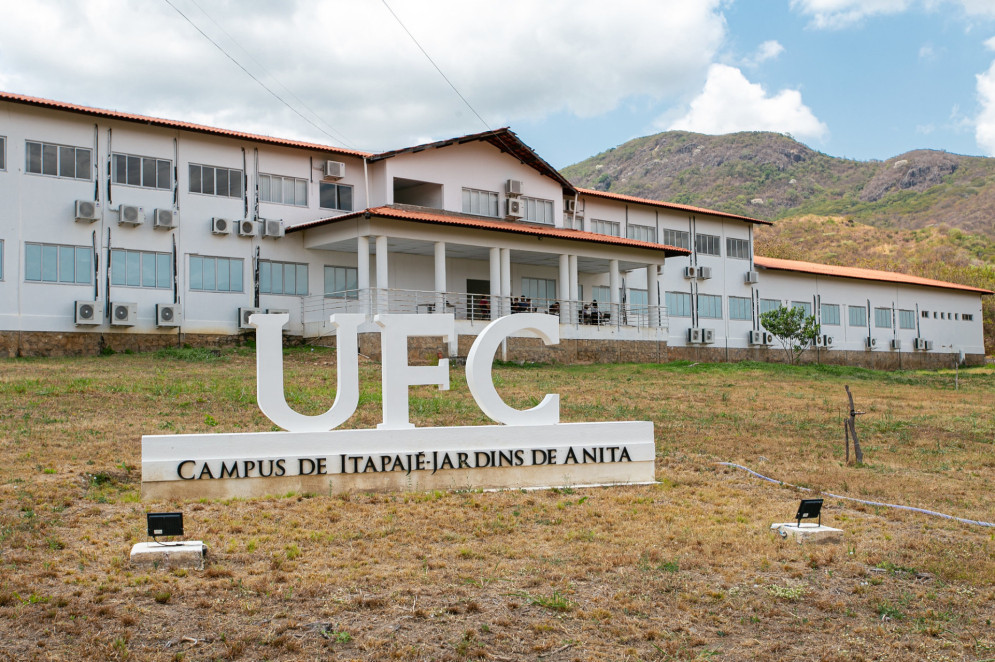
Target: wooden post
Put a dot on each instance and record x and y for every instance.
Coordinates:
(851, 429)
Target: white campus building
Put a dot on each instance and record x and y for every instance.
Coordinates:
(119, 231)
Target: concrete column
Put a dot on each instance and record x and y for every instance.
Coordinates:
(506, 281)
(363, 273)
(440, 276)
(495, 283)
(381, 247)
(652, 280)
(564, 288)
(613, 284)
(574, 290)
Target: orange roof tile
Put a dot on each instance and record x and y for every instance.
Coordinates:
(668, 205)
(862, 274)
(495, 225)
(172, 124)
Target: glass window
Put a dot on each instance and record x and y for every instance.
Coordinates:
(610, 228)
(52, 263)
(882, 318)
(710, 305)
(740, 308)
(211, 180)
(1, 259)
(3, 153)
(215, 274)
(143, 171)
(141, 269)
(707, 244)
(342, 282)
(282, 278)
(541, 291)
(641, 233)
(767, 305)
(638, 299)
(738, 248)
(283, 190)
(538, 210)
(906, 319)
(601, 293)
(677, 238)
(339, 196)
(478, 203)
(57, 160)
(804, 305)
(678, 304)
(830, 314)
(858, 315)
(967, 317)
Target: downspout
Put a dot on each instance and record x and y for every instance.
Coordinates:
(573, 221)
(107, 279)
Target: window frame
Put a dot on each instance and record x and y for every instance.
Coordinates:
(742, 303)
(714, 302)
(3, 153)
(703, 240)
(214, 194)
(348, 292)
(806, 306)
(906, 319)
(493, 199)
(282, 188)
(823, 308)
(322, 186)
(683, 301)
(229, 260)
(632, 230)
(742, 246)
(58, 165)
(863, 316)
(548, 284)
(677, 235)
(59, 280)
(142, 163)
(879, 321)
(600, 224)
(286, 268)
(530, 205)
(766, 307)
(156, 258)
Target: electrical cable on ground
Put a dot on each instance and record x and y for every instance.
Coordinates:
(869, 503)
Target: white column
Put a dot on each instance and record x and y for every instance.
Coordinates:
(363, 273)
(440, 276)
(495, 283)
(652, 279)
(381, 246)
(613, 284)
(506, 281)
(564, 288)
(574, 291)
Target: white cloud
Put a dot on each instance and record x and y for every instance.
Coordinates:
(766, 51)
(729, 102)
(927, 52)
(984, 125)
(514, 60)
(835, 14)
(990, 43)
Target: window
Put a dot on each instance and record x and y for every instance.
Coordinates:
(3, 153)
(858, 316)
(282, 277)
(638, 300)
(342, 282)
(710, 305)
(215, 274)
(925, 314)
(602, 293)
(967, 317)
(210, 180)
(334, 196)
(707, 244)
(51, 263)
(539, 290)
(678, 304)
(538, 210)
(141, 269)
(767, 305)
(1, 259)
(831, 314)
(906, 319)
(740, 308)
(612, 228)
(480, 203)
(641, 233)
(738, 248)
(57, 160)
(804, 305)
(143, 171)
(677, 238)
(882, 318)
(283, 190)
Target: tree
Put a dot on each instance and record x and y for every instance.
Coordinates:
(795, 330)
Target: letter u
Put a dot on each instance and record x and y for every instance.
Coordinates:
(269, 374)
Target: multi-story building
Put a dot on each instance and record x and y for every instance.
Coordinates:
(120, 230)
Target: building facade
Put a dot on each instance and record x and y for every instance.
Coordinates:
(125, 231)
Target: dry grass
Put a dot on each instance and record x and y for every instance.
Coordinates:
(682, 570)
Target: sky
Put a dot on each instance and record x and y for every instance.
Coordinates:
(861, 79)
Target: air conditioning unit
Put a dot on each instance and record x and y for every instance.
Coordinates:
(277, 311)
(929, 345)
(896, 343)
(757, 338)
(570, 205)
(695, 335)
(870, 343)
(168, 314)
(271, 227)
(515, 208)
(124, 314)
(221, 226)
(752, 277)
(130, 215)
(690, 272)
(820, 341)
(513, 187)
(86, 313)
(164, 218)
(768, 338)
(333, 170)
(243, 316)
(829, 341)
(704, 272)
(87, 211)
(708, 336)
(922, 344)
(248, 228)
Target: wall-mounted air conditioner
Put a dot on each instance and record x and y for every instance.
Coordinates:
(168, 314)
(243, 317)
(221, 226)
(124, 314)
(690, 272)
(333, 170)
(248, 228)
(515, 208)
(87, 211)
(922, 344)
(164, 219)
(896, 343)
(820, 341)
(704, 273)
(569, 205)
(768, 338)
(513, 187)
(756, 337)
(870, 343)
(695, 335)
(752, 277)
(87, 313)
(828, 342)
(708, 336)
(130, 215)
(271, 227)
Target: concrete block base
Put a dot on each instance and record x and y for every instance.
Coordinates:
(186, 554)
(808, 532)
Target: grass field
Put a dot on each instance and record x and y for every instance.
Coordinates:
(682, 570)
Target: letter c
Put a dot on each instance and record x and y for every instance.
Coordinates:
(179, 469)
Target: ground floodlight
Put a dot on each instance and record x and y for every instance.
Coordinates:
(809, 509)
(165, 524)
